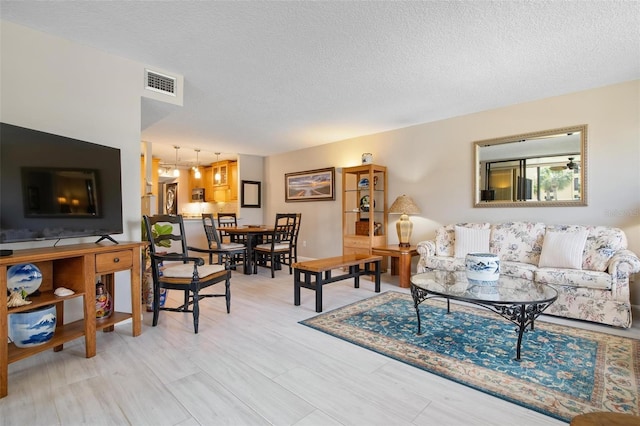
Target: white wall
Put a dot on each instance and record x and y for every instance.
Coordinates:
(251, 167)
(60, 87)
(54, 85)
(433, 163)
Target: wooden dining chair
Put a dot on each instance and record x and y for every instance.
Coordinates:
(228, 220)
(173, 269)
(279, 250)
(233, 253)
(296, 233)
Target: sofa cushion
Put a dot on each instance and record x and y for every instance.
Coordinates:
(469, 240)
(602, 243)
(518, 241)
(518, 269)
(563, 249)
(574, 278)
(446, 237)
(445, 263)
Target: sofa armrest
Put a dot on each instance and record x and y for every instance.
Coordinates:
(621, 266)
(624, 261)
(426, 248)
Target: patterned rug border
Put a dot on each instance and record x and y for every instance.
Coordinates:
(492, 382)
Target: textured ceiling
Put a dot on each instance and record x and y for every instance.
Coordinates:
(269, 77)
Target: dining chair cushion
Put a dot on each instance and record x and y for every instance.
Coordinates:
(185, 270)
(276, 246)
(231, 246)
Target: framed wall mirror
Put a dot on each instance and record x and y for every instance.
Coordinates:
(539, 169)
(250, 194)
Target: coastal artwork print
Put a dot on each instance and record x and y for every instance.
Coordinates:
(312, 185)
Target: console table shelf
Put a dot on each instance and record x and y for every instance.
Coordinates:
(77, 267)
(64, 333)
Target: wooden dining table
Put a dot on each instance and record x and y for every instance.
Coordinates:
(253, 235)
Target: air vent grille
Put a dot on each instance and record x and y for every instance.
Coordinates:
(160, 83)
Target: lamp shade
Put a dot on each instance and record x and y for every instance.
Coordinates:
(404, 205)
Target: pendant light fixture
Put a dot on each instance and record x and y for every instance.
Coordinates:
(176, 172)
(217, 175)
(197, 170)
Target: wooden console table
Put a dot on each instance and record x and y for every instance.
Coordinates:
(76, 267)
(400, 261)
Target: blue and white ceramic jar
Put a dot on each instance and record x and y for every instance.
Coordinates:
(482, 268)
(34, 327)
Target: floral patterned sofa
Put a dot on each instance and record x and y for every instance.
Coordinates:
(595, 287)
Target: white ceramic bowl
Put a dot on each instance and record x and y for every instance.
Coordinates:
(482, 268)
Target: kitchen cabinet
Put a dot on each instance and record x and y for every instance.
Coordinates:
(220, 173)
(224, 189)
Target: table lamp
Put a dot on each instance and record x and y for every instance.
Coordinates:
(404, 206)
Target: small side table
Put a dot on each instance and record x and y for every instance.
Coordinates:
(400, 260)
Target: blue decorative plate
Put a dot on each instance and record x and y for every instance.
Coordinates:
(363, 183)
(24, 276)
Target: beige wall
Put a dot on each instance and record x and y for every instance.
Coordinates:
(433, 163)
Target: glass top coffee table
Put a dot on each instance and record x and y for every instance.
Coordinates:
(518, 300)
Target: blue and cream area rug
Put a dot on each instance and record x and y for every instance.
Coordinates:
(563, 372)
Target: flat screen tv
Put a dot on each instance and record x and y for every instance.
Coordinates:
(54, 187)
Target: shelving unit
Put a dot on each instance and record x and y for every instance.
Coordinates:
(76, 267)
(364, 220)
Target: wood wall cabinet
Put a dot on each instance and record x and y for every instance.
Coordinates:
(226, 188)
(208, 184)
(364, 208)
(233, 181)
(220, 169)
(77, 267)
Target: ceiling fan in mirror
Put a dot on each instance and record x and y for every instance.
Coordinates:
(571, 165)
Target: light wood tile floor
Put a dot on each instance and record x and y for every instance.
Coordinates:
(255, 366)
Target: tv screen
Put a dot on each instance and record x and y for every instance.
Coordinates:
(54, 187)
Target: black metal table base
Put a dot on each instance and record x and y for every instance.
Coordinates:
(523, 315)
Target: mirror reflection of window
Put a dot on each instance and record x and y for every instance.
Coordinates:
(537, 169)
(544, 179)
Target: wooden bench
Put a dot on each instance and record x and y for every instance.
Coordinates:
(321, 270)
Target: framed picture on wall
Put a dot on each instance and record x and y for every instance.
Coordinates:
(312, 185)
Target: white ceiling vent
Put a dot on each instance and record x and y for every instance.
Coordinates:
(160, 82)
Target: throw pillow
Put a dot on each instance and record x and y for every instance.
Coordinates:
(446, 237)
(470, 240)
(563, 249)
